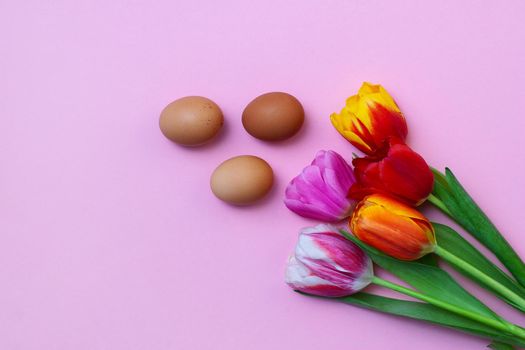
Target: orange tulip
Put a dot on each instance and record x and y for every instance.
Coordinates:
(392, 227)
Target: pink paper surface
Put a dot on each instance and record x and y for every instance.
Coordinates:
(110, 236)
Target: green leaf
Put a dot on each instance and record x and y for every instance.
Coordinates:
(450, 240)
(462, 208)
(430, 280)
(496, 345)
(428, 313)
(429, 259)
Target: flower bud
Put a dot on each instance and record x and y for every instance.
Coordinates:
(395, 170)
(370, 118)
(392, 227)
(320, 191)
(327, 264)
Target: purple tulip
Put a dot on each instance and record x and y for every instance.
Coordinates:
(320, 191)
(327, 264)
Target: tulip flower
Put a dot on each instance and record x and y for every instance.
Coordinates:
(370, 118)
(402, 232)
(327, 264)
(320, 191)
(392, 227)
(395, 170)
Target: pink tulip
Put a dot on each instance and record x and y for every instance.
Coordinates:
(320, 191)
(327, 264)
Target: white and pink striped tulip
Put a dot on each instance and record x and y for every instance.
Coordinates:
(327, 264)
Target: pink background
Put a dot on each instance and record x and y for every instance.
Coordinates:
(110, 236)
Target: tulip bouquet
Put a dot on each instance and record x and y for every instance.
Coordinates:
(379, 199)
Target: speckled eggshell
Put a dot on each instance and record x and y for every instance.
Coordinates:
(191, 120)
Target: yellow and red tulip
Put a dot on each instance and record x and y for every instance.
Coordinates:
(395, 170)
(370, 118)
(392, 227)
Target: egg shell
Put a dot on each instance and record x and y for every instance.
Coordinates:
(242, 180)
(191, 120)
(273, 116)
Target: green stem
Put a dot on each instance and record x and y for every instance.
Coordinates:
(438, 203)
(492, 283)
(501, 325)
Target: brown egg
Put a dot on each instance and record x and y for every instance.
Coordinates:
(273, 116)
(242, 180)
(191, 120)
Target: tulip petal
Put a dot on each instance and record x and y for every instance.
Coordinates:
(397, 207)
(299, 277)
(392, 227)
(314, 185)
(379, 95)
(325, 263)
(320, 191)
(397, 170)
(336, 171)
(370, 118)
(407, 174)
(310, 211)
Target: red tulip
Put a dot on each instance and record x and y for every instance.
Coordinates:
(395, 170)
